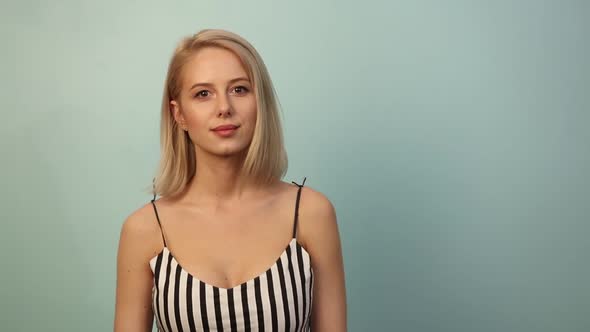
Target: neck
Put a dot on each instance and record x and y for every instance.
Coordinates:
(218, 182)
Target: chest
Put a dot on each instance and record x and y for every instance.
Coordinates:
(225, 249)
(278, 299)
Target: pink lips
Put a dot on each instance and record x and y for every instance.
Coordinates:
(225, 127)
(225, 130)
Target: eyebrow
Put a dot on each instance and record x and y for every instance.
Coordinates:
(210, 84)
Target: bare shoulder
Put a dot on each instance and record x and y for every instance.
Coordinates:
(314, 203)
(318, 226)
(138, 243)
(140, 232)
(319, 231)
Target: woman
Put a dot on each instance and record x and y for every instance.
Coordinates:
(228, 245)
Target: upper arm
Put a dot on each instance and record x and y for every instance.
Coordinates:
(133, 310)
(319, 229)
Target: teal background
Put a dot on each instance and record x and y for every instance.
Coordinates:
(451, 136)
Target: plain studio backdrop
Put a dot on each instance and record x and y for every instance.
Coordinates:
(451, 136)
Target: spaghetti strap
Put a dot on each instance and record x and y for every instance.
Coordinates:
(297, 206)
(157, 216)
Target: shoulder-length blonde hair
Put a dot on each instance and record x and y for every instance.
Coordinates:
(266, 158)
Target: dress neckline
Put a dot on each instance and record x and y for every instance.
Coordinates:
(193, 276)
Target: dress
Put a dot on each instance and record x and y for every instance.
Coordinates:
(278, 299)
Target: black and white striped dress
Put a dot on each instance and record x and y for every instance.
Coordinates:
(278, 299)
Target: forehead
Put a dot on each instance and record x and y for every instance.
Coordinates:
(213, 65)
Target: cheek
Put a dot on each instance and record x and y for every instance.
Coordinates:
(245, 104)
(253, 113)
(194, 121)
(250, 108)
(196, 116)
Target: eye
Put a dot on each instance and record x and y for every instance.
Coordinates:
(202, 94)
(241, 89)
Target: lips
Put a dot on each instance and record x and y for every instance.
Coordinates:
(225, 127)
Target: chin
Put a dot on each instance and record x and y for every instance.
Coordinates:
(231, 151)
(225, 149)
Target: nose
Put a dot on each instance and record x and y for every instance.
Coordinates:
(223, 106)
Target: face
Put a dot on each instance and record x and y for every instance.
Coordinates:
(216, 92)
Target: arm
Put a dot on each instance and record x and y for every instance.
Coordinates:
(133, 312)
(320, 231)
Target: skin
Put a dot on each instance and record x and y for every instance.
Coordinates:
(224, 229)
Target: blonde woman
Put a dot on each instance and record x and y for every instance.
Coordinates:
(228, 245)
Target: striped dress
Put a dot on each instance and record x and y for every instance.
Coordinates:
(278, 299)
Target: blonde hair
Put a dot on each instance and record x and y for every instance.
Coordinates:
(266, 158)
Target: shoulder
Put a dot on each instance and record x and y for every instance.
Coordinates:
(322, 241)
(140, 232)
(318, 226)
(139, 221)
(137, 246)
(317, 205)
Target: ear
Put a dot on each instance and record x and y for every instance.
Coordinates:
(177, 114)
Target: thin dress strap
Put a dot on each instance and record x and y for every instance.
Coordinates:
(157, 216)
(297, 206)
